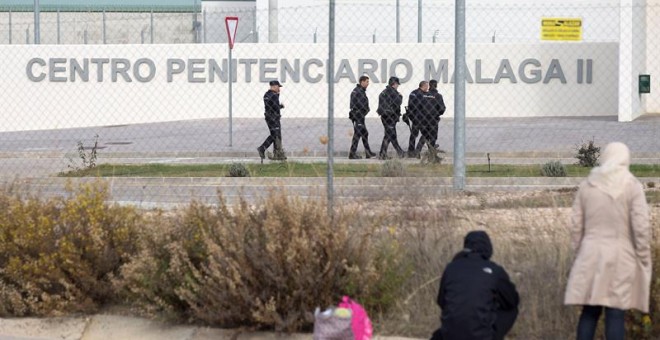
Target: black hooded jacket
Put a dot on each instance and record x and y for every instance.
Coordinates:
(472, 290)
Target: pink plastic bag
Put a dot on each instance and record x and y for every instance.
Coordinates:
(362, 329)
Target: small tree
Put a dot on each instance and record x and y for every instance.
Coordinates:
(587, 154)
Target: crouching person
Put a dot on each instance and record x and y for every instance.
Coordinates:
(477, 298)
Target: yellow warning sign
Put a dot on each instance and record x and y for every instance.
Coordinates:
(569, 29)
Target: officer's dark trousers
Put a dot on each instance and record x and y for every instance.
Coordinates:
(389, 125)
(503, 324)
(275, 136)
(414, 132)
(428, 137)
(359, 132)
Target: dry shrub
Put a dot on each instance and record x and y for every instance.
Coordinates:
(263, 266)
(647, 326)
(530, 243)
(58, 255)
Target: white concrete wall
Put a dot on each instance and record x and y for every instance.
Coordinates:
(46, 104)
(652, 100)
(632, 56)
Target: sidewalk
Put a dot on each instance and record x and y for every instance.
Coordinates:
(112, 327)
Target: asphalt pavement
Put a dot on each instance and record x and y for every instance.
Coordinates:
(34, 158)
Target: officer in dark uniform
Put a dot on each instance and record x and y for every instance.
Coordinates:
(359, 110)
(415, 113)
(389, 109)
(433, 106)
(272, 107)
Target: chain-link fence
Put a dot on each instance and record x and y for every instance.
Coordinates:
(141, 98)
(112, 85)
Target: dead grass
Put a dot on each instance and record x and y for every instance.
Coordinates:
(530, 238)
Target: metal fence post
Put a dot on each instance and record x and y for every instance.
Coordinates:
(85, 37)
(398, 22)
(27, 35)
(58, 26)
(255, 37)
(10, 26)
(195, 23)
(272, 21)
(151, 23)
(104, 27)
(37, 23)
(459, 97)
(420, 13)
(331, 108)
(204, 18)
(315, 35)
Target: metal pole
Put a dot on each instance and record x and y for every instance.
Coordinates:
(85, 37)
(195, 24)
(419, 21)
(204, 18)
(231, 80)
(272, 21)
(37, 23)
(459, 97)
(151, 28)
(398, 22)
(255, 37)
(331, 108)
(27, 35)
(58, 26)
(104, 27)
(315, 35)
(10, 26)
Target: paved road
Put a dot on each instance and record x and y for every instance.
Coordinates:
(36, 156)
(199, 138)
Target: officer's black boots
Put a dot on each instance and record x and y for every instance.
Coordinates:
(262, 153)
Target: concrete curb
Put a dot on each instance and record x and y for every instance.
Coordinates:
(113, 327)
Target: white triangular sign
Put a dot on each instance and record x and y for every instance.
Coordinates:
(231, 23)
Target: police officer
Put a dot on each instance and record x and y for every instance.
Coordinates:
(433, 106)
(359, 110)
(272, 107)
(415, 113)
(389, 109)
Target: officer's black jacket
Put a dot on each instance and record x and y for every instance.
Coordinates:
(415, 104)
(389, 103)
(359, 102)
(272, 105)
(472, 290)
(434, 105)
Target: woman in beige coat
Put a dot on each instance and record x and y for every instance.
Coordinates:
(611, 235)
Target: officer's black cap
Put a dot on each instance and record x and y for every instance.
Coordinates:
(394, 80)
(275, 82)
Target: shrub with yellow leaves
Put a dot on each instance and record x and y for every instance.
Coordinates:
(58, 255)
